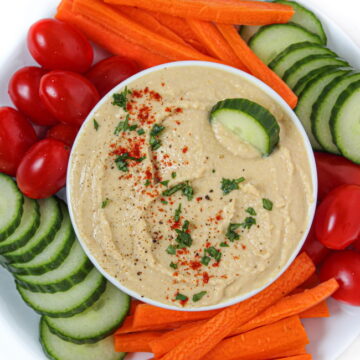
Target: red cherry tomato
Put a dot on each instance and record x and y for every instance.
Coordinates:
(345, 267)
(334, 171)
(314, 248)
(42, 171)
(64, 133)
(110, 72)
(16, 137)
(337, 222)
(24, 93)
(59, 46)
(68, 96)
(357, 244)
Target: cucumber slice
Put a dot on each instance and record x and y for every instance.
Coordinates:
(322, 108)
(250, 121)
(58, 349)
(95, 323)
(50, 220)
(306, 18)
(344, 122)
(311, 63)
(54, 254)
(72, 271)
(296, 52)
(29, 223)
(309, 97)
(247, 31)
(271, 40)
(11, 206)
(68, 303)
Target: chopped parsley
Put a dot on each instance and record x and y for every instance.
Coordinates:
(181, 297)
(224, 244)
(231, 234)
(171, 249)
(228, 185)
(122, 164)
(165, 182)
(124, 126)
(184, 187)
(251, 211)
(121, 98)
(198, 296)
(173, 265)
(105, 203)
(177, 213)
(188, 191)
(173, 174)
(205, 260)
(214, 253)
(147, 182)
(141, 132)
(155, 142)
(96, 125)
(249, 222)
(164, 202)
(183, 238)
(267, 204)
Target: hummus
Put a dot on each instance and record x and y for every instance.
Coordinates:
(180, 211)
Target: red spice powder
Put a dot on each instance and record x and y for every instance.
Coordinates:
(206, 277)
(243, 246)
(168, 109)
(195, 265)
(199, 198)
(179, 110)
(185, 149)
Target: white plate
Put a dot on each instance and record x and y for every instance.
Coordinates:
(19, 325)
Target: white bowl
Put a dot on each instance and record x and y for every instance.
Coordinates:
(284, 106)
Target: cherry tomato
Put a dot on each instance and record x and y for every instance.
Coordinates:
(337, 222)
(59, 46)
(314, 248)
(64, 133)
(334, 171)
(42, 171)
(345, 267)
(24, 93)
(110, 72)
(68, 96)
(16, 137)
(357, 244)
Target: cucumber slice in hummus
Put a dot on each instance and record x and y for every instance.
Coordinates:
(251, 122)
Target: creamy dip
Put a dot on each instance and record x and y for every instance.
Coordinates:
(170, 248)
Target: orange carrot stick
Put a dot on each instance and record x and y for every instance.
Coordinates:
(133, 305)
(215, 43)
(107, 39)
(287, 306)
(121, 25)
(255, 65)
(138, 342)
(320, 310)
(297, 357)
(295, 351)
(223, 11)
(209, 334)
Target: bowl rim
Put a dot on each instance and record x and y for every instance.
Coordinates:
(279, 101)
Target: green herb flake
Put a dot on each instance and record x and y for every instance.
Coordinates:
(121, 98)
(184, 187)
(96, 125)
(267, 204)
(251, 211)
(122, 164)
(249, 222)
(164, 202)
(173, 265)
(177, 213)
(171, 250)
(155, 142)
(181, 297)
(197, 297)
(147, 182)
(105, 203)
(165, 183)
(224, 244)
(173, 175)
(124, 126)
(214, 253)
(231, 234)
(228, 185)
(205, 260)
(141, 132)
(183, 238)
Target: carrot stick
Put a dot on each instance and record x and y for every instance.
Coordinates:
(215, 43)
(295, 351)
(320, 310)
(138, 342)
(107, 39)
(287, 306)
(255, 65)
(297, 357)
(133, 305)
(223, 11)
(209, 334)
(121, 25)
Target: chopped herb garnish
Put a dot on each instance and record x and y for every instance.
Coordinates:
(181, 297)
(224, 244)
(214, 253)
(198, 296)
(205, 260)
(177, 213)
(157, 130)
(171, 249)
(173, 265)
(249, 222)
(147, 182)
(228, 185)
(267, 204)
(251, 211)
(188, 191)
(124, 126)
(122, 164)
(105, 203)
(155, 142)
(185, 188)
(96, 125)
(141, 131)
(165, 182)
(121, 99)
(184, 238)
(173, 175)
(231, 234)
(164, 202)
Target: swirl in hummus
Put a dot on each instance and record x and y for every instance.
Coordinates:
(177, 210)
